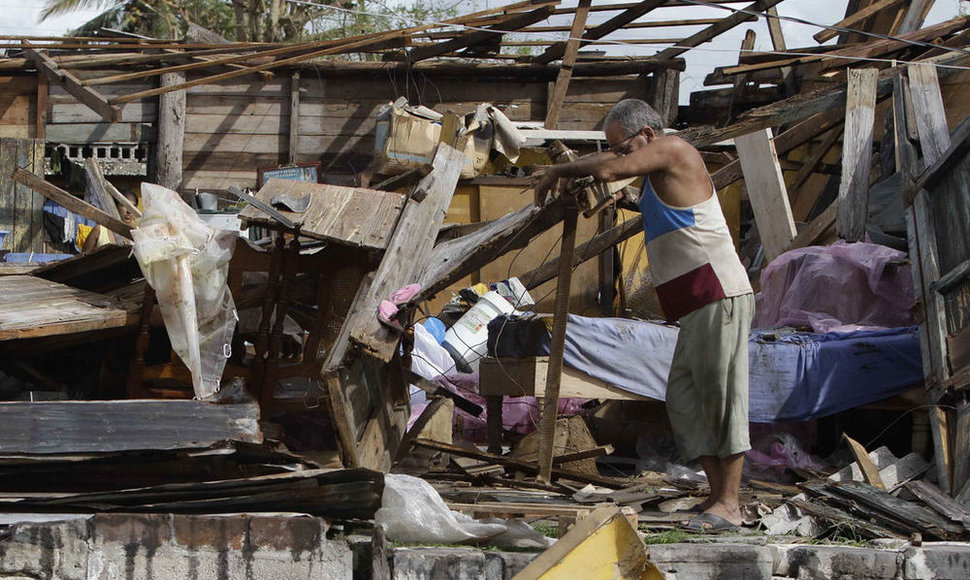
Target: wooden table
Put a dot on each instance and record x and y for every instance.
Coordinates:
(520, 377)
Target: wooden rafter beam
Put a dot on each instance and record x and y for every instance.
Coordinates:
(855, 18)
(511, 23)
(369, 41)
(716, 29)
(556, 51)
(93, 99)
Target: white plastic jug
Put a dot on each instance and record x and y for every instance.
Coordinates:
(466, 340)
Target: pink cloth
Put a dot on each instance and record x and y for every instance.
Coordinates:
(841, 287)
(519, 414)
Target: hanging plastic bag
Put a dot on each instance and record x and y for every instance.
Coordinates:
(187, 263)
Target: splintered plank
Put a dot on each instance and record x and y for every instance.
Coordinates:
(857, 154)
(766, 189)
(869, 470)
(455, 259)
(31, 307)
(907, 514)
(408, 250)
(52, 192)
(96, 426)
(349, 215)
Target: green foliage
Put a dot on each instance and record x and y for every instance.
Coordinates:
(254, 20)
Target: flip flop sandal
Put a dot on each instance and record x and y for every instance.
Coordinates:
(708, 523)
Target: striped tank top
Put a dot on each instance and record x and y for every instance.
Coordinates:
(691, 254)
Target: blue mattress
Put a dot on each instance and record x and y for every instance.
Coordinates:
(795, 376)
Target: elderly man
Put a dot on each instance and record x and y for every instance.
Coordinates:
(700, 283)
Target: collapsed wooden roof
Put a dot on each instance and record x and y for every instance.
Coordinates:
(481, 41)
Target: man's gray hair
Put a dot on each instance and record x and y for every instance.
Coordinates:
(633, 115)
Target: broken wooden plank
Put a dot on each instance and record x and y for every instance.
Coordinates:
(942, 503)
(800, 133)
(407, 251)
(523, 466)
(72, 203)
(352, 216)
(869, 471)
(93, 99)
(839, 518)
(568, 60)
(31, 307)
(913, 516)
(550, 401)
(94, 171)
(96, 183)
(801, 204)
(766, 190)
(594, 247)
(95, 426)
(856, 154)
(741, 81)
(604, 544)
(799, 107)
(931, 175)
(455, 259)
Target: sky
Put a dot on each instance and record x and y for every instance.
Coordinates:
(19, 17)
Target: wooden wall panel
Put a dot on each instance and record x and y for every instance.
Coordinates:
(20, 208)
(18, 99)
(238, 126)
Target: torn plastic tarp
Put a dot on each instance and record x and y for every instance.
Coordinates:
(187, 262)
(837, 288)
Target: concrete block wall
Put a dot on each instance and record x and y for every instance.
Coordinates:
(167, 547)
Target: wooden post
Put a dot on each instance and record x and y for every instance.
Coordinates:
(41, 121)
(778, 43)
(294, 117)
(607, 278)
(766, 190)
(550, 400)
(171, 133)
(856, 154)
(742, 79)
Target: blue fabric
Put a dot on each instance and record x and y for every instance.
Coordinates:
(658, 219)
(793, 376)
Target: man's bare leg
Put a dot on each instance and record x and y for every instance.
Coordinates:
(715, 478)
(725, 498)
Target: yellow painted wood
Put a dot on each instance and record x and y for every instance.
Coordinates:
(604, 546)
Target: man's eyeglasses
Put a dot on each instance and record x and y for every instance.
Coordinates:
(625, 146)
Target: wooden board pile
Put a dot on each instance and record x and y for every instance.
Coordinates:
(164, 456)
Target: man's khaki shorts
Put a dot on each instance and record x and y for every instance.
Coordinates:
(707, 389)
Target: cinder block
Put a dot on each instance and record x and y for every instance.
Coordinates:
(835, 563)
(937, 561)
(712, 561)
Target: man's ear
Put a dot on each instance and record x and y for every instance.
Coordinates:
(649, 133)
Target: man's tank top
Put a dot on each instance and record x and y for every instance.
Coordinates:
(691, 253)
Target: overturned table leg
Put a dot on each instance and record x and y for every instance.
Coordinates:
(493, 422)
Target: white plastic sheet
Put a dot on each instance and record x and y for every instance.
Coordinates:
(187, 263)
(412, 511)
